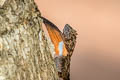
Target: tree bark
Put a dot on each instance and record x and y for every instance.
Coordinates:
(24, 50)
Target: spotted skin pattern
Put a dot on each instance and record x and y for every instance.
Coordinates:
(64, 46)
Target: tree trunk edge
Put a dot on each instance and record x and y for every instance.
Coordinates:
(24, 54)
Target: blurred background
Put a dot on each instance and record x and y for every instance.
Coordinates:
(97, 53)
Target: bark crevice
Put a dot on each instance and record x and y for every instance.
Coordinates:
(24, 54)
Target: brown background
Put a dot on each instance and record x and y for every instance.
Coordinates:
(97, 54)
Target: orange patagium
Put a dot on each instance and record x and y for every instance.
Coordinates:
(56, 37)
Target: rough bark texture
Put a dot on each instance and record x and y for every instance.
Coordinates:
(24, 51)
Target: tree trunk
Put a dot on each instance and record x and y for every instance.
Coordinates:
(24, 50)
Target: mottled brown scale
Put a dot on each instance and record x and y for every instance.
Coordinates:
(69, 38)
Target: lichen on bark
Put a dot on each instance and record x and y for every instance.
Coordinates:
(24, 51)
